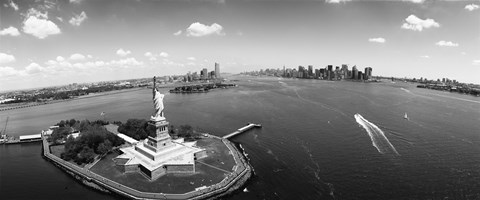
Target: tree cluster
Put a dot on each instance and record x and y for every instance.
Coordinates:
(94, 139)
(137, 129)
(140, 129)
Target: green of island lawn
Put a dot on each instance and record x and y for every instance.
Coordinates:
(217, 165)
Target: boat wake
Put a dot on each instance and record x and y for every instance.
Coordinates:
(407, 91)
(379, 140)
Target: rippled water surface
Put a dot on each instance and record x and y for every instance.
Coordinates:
(311, 145)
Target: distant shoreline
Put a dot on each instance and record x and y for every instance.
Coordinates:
(98, 94)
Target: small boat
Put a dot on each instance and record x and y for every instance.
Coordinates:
(405, 116)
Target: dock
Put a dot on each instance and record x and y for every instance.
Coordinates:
(241, 130)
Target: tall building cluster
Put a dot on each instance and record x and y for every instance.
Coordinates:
(204, 74)
(327, 73)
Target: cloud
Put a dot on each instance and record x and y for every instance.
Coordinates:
(425, 56)
(78, 19)
(60, 59)
(6, 58)
(12, 31)
(122, 52)
(40, 28)
(191, 58)
(412, 22)
(476, 62)
(164, 54)
(179, 32)
(127, 62)
(415, 1)
(446, 44)
(471, 7)
(76, 1)
(34, 68)
(199, 30)
(153, 57)
(77, 57)
(36, 13)
(377, 40)
(13, 5)
(463, 53)
(9, 71)
(335, 1)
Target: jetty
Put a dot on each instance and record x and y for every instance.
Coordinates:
(241, 130)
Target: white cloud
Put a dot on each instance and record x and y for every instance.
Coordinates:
(34, 68)
(6, 58)
(40, 28)
(198, 30)
(476, 62)
(60, 19)
(153, 57)
(377, 40)
(127, 62)
(78, 19)
(191, 58)
(9, 71)
(76, 1)
(179, 32)
(335, 1)
(77, 57)
(164, 54)
(122, 52)
(13, 5)
(36, 13)
(415, 1)
(12, 31)
(463, 53)
(412, 22)
(60, 59)
(425, 56)
(446, 44)
(471, 7)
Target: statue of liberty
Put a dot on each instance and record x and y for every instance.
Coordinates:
(157, 103)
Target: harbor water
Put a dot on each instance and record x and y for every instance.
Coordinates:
(319, 139)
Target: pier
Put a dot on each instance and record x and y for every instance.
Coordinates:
(241, 130)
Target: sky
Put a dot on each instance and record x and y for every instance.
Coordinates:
(54, 42)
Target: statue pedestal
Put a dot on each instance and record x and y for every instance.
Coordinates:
(162, 139)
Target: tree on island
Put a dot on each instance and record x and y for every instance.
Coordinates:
(140, 129)
(94, 139)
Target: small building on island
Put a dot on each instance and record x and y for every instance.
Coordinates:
(159, 155)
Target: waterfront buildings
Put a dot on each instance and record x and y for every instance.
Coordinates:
(329, 72)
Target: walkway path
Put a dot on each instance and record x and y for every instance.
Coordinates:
(214, 167)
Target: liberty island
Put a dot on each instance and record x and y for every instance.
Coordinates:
(158, 167)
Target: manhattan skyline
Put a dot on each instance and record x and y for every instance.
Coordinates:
(49, 43)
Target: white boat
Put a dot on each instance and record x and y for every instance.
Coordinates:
(405, 116)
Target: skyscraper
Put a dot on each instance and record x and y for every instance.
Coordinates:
(354, 72)
(310, 70)
(217, 70)
(368, 73)
(345, 71)
(204, 73)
